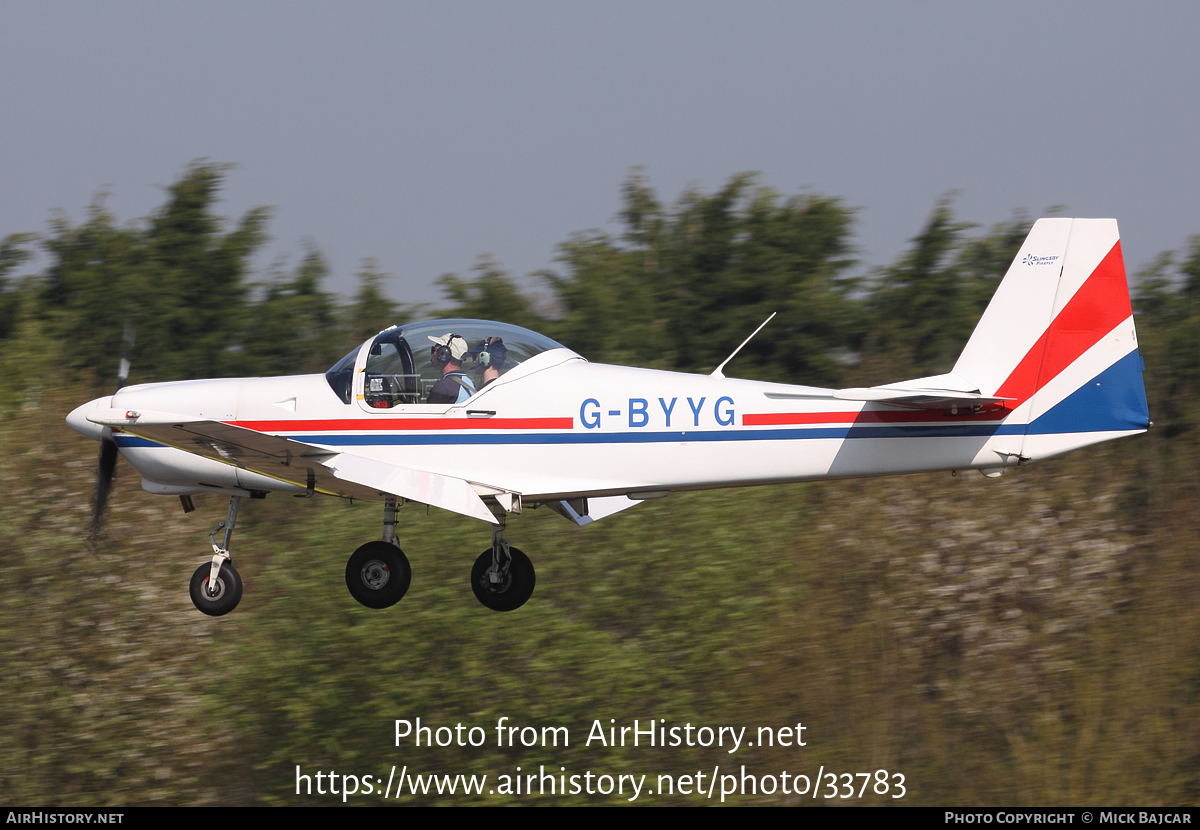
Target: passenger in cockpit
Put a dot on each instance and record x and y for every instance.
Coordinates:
(447, 353)
(490, 356)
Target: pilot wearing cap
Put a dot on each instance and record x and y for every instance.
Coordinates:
(447, 354)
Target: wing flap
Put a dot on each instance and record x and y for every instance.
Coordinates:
(593, 509)
(446, 492)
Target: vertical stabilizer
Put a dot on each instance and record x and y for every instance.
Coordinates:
(1058, 337)
(1020, 311)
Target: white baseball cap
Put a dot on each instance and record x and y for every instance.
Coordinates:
(456, 342)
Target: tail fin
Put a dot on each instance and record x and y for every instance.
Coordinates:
(1058, 337)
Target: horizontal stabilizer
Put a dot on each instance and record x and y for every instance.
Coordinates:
(909, 397)
(918, 398)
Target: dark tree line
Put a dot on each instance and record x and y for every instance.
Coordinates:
(182, 280)
(677, 288)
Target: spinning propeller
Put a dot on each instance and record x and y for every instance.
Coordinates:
(107, 465)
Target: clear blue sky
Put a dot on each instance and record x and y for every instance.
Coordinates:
(427, 134)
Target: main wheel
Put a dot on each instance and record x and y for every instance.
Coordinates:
(509, 593)
(225, 598)
(378, 574)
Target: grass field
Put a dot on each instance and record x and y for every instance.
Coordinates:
(1030, 641)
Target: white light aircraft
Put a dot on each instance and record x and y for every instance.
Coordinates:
(1052, 366)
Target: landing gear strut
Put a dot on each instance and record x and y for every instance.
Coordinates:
(216, 587)
(503, 577)
(378, 573)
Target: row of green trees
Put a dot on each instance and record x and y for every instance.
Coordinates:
(182, 280)
(682, 285)
(678, 288)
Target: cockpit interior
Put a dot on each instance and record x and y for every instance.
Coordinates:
(399, 368)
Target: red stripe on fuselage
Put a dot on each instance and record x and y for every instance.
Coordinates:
(762, 419)
(1097, 307)
(400, 424)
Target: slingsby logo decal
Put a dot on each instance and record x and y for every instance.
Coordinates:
(1030, 259)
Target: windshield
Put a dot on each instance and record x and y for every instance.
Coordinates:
(458, 356)
(341, 376)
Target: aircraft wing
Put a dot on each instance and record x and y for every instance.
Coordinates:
(318, 468)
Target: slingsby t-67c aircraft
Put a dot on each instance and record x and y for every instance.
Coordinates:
(1052, 366)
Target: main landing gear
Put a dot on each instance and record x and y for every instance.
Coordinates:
(378, 573)
(216, 587)
(503, 577)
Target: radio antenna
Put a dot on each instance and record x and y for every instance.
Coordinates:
(716, 373)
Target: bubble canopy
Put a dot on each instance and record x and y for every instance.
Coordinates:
(399, 368)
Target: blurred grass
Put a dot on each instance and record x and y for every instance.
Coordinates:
(1028, 641)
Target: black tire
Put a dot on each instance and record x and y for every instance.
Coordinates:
(229, 590)
(378, 574)
(509, 595)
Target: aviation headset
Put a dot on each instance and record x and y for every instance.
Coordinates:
(491, 351)
(443, 354)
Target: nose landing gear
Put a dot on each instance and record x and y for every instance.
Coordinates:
(216, 587)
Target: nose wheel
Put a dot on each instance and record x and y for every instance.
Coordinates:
(216, 587)
(216, 598)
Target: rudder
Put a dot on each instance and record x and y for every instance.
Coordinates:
(1058, 337)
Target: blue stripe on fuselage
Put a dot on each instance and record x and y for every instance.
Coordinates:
(453, 438)
(410, 439)
(673, 437)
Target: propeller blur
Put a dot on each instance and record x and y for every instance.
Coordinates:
(107, 465)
